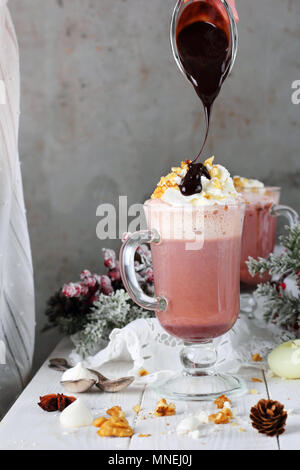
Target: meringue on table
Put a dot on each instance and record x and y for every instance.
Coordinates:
(76, 415)
(79, 372)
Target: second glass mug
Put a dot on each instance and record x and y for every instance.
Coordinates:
(196, 264)
(259, 233)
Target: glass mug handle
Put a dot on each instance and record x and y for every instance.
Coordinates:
(128, 274)
(287, 212)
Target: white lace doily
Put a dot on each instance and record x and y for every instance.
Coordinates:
(144, 344)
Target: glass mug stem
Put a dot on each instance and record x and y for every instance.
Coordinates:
(198, 358)
(128, 274)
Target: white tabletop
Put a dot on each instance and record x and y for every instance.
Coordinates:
(27, 426)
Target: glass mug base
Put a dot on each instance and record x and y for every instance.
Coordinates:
(198, 381)
(207, 386)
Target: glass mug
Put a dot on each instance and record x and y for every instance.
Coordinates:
(196, 265)
(259, 233)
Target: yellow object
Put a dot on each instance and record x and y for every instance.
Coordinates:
(137, 408)
(284, 360)
(99, 421)
(116, 411)
(222, 417)
(115, 427)
(164, 409)
(256, 358)
(209, 161)
(171, 180)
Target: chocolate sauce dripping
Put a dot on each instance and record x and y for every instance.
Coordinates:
(203, 50)
(191, 183)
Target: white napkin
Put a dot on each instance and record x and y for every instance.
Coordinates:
(144, 344)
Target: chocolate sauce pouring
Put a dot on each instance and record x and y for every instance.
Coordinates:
(204, 42)
(191, 183)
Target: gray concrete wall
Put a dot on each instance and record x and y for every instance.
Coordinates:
(106, 112)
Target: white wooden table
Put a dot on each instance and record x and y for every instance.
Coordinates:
(27, 426)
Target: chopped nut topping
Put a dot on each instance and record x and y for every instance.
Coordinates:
(115, 427)
(164, 409)
(222, 417)
(116, 411)
(221, 400)
(209, 161)
(254, 379)
(256, 358)
(171, 180)
(99, 421)
(239, 182)
(225, 414)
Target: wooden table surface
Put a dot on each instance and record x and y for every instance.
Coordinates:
(27, 426)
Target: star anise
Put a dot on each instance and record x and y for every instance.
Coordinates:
(55, 402)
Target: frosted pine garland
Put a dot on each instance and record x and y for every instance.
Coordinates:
(109, 312)
(96, 304)
(281, 306)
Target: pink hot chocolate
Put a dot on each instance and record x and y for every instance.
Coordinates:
(259, 229)
(197, 267)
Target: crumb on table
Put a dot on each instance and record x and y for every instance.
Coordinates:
(256, 358)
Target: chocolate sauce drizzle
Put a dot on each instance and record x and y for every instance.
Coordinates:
(205, 55)
(191, 183)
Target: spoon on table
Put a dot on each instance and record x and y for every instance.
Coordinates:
(83, 385)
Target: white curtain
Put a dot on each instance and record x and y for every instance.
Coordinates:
(16, 274)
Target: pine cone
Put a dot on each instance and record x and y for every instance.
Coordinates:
(268, 417)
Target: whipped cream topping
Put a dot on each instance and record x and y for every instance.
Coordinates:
(76, 415)
(217, 190)
(241, 183)
(78, 372)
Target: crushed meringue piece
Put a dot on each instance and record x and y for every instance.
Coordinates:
(195, 434)
(187, 425)
(203, 417)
